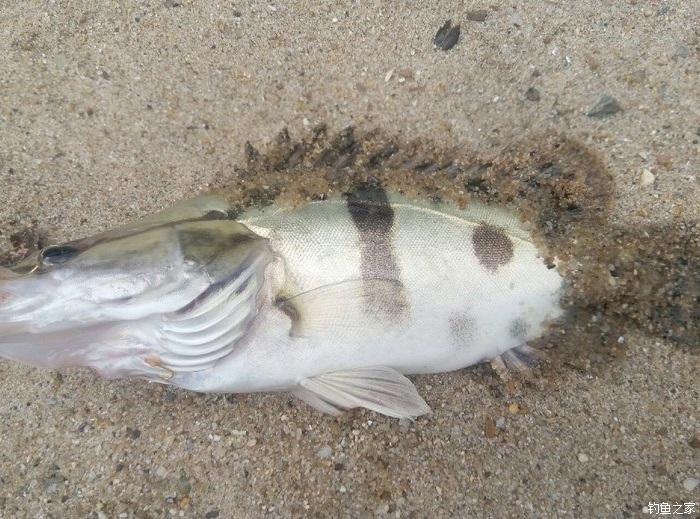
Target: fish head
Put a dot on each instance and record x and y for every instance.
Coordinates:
(104, 301)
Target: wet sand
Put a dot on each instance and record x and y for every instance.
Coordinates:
(109, 113)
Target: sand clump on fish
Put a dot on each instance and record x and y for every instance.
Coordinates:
(379, 259)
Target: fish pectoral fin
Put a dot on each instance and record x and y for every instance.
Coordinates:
(348, 307)
(377, 388)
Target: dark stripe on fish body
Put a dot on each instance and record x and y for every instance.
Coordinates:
(373, 217)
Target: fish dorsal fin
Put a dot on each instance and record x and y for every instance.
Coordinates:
(378, 388)
(200, 208)
(346, 308)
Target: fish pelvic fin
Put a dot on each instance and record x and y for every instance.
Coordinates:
(378, 388)
(519, 360)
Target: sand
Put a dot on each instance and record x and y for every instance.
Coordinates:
(110, 112)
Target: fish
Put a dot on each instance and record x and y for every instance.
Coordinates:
(335, 301)
(334, 267)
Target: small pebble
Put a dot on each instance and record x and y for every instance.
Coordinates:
(691, 484)
(382, 510)
(405, 73)
(447, 36)
(695, 442)
(238, 442)
(184, 487)
(532, 94)
(61, 61)
(682, 50)
(161, 472)
(514, 18)
(324, 452)
(646, 178)
(606, 105)
(582, 457)
(477, 15)
(490, 428)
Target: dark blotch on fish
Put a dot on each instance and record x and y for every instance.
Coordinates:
(492, 246)
(461, 328)
(518, 329)
(447, 36)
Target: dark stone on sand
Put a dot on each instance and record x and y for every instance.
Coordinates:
(532, 94)
(447, 36)
(606, 105)
(477, 15)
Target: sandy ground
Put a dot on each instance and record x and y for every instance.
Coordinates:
(111, 111)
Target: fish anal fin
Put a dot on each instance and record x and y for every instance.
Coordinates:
(318, 402)
(378, 388)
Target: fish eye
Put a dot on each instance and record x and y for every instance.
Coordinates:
(57, 255)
